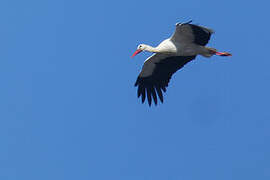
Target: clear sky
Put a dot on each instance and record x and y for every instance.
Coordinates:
(68, 107)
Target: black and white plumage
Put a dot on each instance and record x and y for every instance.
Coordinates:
(170, 55)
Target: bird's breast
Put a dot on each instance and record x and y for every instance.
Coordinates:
(167, 46)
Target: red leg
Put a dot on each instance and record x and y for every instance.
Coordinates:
(223, 54)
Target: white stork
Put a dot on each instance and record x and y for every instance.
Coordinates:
(170, 55)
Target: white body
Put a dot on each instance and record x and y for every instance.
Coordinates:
(180, 48)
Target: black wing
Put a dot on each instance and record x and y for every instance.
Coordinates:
(191, 33)
(156, 74)
(201, 34)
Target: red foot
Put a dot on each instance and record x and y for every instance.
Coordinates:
(223, 54)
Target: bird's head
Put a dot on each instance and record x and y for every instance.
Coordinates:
(140, 48)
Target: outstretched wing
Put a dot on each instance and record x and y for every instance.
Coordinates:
(191, 33)
(156, 74)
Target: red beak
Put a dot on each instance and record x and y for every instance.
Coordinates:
(136, 52)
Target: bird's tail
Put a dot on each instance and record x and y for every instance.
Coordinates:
(213, 51)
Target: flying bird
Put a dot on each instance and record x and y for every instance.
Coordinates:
(170, 55)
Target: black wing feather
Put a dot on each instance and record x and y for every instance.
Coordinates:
(201, 35)
(160, 78)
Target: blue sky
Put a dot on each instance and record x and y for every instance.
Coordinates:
(68, 107)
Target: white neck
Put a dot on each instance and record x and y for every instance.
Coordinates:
(166, 46)
(152, 49)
